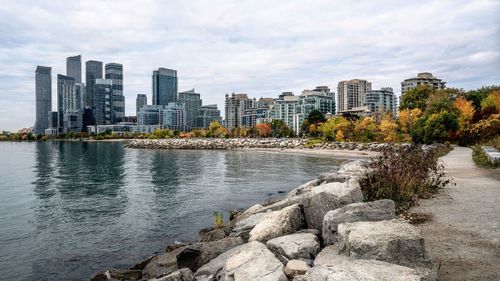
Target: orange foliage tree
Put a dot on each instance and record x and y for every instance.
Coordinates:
(264, 130)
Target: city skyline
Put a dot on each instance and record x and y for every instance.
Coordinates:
(238, 48)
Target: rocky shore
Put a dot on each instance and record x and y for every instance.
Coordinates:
(321, 230)
(264, 143)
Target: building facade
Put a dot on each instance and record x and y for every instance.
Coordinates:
(140, 101)
(103, 92)
(424, 78)
(171, 116)
(192, 103)
(67, 101)
(235, 106)
(43, 97)
(351, 94)
(284, 108)
(93, 71)
(114, 72)
(74, 68)
(380, 102)
(207, 114)
(164, 86)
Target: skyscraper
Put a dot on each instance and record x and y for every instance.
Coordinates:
(43, 97)
(74, 68)
(69, 104)
(93, 71)
(192, 103)
(207, 114)
(114, 72)
(140, 101)
(103, 101)
(164, 86)
(351, 94)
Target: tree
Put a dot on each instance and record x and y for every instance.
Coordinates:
(476, 96)
(365, 129)
(280, 129)
(264, 130)
(466, 109)
(213, 128)
(407, 118)
(388, 129)
(315, 117)
(416, 98)
(335, 129)
(436, 127)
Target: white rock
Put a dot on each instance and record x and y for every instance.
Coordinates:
(278, 223)
(295, 268)
(295, 246)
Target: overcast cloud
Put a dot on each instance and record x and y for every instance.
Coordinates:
(257, 47)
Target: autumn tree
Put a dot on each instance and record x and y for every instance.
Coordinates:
(365, 129)
(388, 129)
(407, 118)
(416, 98)
(264, 130)
(335, 129)
(466, 109)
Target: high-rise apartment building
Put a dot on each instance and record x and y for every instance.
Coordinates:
(140, 101)
(207, 114)
(285, 108)
(235, 106)
(164, 86)
(351, 94)
(43, 97)
(93, 71)
(74, 68)
(380, 102)
(424, 78)
(114, 72)
(192, 103)
(171, 116)
(103, 92)
(325, 90)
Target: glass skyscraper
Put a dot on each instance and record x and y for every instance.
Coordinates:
(74, 68)
(93, 71)
(114, 72)
(140, 101)
(164, 86)
(192, 103)
(43, 96)
(103, 101)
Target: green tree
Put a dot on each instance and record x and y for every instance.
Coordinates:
(315, 117)
(416, 98)
(436, 127)
(280, 129)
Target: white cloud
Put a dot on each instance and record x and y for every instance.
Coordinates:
(258, 47)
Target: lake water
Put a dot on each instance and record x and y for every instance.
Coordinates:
(69, 209)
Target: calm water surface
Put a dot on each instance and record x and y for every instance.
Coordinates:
(70, 209)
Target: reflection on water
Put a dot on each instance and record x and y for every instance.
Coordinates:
(97, 205)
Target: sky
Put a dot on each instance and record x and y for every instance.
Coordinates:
(261, 48)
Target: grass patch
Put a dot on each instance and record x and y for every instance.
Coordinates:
(480, 158)
(403, 174)
(313, 143)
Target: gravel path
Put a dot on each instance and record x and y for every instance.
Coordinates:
(463, 235)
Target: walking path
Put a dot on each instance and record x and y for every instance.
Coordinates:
(463, 235)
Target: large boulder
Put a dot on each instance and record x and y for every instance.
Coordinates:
(331, 265)
(370, 211)
(394, 241)
(295, 246)
(117, 274)
(192, 256)
(278, 223)
(256, 263)
(354, 169)
(184, 274)
(243, 227)
(327, 197)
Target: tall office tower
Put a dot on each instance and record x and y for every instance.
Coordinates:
(424, 78)
(93, 71)
(103, 101)
(140, 101)
(380, 102)
(69, 104)
(351, 94)
(192, 103)
(114, 72)
(164, 86)
(74, 68)
(43, 97)
(235, 106)
(207, 114)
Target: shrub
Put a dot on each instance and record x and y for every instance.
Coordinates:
(480, 158)
(403, 174)
(218, 220)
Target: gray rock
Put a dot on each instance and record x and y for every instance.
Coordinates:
(250, 211)
(212, 267)
(192, 256)
(370, 211)
(394, 241)
(327, 197)
(295, 268)
(278, 223)
(117, 274)
(255, 263)
(295, 246)
(184, 274)
(243, 227)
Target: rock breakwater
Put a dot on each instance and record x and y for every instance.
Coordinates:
(321, 230)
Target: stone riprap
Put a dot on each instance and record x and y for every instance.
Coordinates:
(241, 143)
(289, 239)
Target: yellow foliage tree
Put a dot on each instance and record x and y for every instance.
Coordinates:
(408, 117)
(388, 129)
(466, 109)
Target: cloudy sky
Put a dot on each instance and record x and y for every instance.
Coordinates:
(258, 47)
